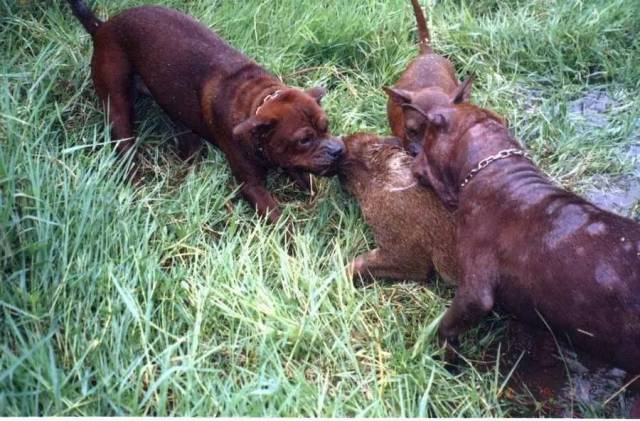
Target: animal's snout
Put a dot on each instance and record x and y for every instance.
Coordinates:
(413, 149)
(335, 148)
(419, 172)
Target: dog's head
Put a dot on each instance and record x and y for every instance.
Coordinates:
(446, 143)
(364, 159)
(291, 130)
(415, 125)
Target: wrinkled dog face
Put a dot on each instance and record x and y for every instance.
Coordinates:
(430, 166)
(292, 131)
(448, 141)
(415, 124)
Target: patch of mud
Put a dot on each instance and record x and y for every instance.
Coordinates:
(530, 99)
(554, 380)
(619, 194)
(592, 107)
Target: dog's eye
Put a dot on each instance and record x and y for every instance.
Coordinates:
(306, 141)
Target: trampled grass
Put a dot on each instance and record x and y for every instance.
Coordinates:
(174, 298)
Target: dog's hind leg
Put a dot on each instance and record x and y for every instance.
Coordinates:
(112, 75)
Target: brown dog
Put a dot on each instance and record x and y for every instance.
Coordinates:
(539, 251)
(215, 91)
(413, 231)
(428, 73)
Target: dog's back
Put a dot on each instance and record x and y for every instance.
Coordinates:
(559, 259)
(427, 71)
(175, 56)
(580, 268)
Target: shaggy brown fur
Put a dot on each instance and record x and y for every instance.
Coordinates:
(413, 231)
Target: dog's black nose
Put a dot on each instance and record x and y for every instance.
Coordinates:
(414, 149)
(335, 149)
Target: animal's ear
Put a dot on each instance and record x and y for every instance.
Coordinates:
(463, 91)
(399, 96)
(253, 128)
(317, 93)
(435, 118)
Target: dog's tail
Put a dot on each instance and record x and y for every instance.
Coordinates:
(423, 31)
(86, 17)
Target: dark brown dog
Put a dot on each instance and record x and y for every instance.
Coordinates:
(413, 231)
(428, 73)
(215, 91)
(539, 251)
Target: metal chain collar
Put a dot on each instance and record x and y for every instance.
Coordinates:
(271, 96)
(505, 153)
(267, 99)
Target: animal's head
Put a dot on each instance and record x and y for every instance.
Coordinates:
(415, 125)
(291, 130)
(364, 158)
(447, 143)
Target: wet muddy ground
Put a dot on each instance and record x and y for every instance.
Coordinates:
(620, 194)
(550, 377)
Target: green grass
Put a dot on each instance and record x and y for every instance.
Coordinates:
(174, 298)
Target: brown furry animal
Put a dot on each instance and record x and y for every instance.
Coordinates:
(215, 91)
(523, 242)
(428, 73)
(412, 229)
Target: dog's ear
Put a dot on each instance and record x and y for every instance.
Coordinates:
(399, 96)
(436, 118)
(463, 91)
(253, 128)
(317, 93)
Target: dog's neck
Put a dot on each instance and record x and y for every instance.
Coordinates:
(505, 179)
(479, 141)
(266, 94)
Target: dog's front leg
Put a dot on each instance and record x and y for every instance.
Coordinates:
(474, 299)
(253, 178)
(258, 195)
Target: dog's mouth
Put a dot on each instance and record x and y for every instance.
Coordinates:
(326, 169)
(326, 165)
(323, 161)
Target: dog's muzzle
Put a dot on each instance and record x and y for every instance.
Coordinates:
(334, 148)
(414, 149)
(329, 155)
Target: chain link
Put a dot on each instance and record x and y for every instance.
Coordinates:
(268, 98)
(505, 153)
